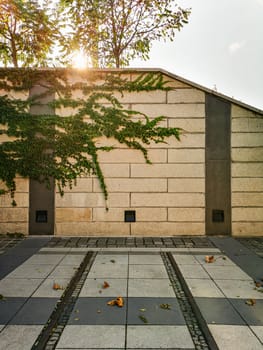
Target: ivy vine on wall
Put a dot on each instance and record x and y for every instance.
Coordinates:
(47, 145)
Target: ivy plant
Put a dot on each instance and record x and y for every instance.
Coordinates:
(48, 146)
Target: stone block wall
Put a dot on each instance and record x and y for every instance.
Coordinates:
(247, 172)
(168, 195)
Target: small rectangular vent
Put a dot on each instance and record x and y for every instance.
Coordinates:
(218, 215)
(129, 215)
(41, 216)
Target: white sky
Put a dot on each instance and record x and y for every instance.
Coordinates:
(222, 46)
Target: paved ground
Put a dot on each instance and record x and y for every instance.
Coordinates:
(159, 308)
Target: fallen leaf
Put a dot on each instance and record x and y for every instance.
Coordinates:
(56, 286)
(209, 259)
(142, 310)
(258, 284)
(143, 318)
(76, 311)
(76, 319)
(100, 291)
(165, 306)
(251, 302)
(113, 261)
(98, 311)
(118, 301)
(105, 285)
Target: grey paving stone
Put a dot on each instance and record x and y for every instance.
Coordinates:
(66, 271)
(71, 259)
(229, 337)
(185, 259)
(150, 288)
(108, 271)
(258, 330)
(19, 287)
(160, 337)
(150, 309)
(95, 311)
(147, 271)
(193, 271)
(94, 287)
(34, 271)
(45, 290)
(36, 311)
(9, 307)
(19, 337)
(94, 337)
(239, 289)
(204, 288)
(253, 315)
(46, 259)
(112, 259)
(218, 311)
(229, 272)
(145, 259)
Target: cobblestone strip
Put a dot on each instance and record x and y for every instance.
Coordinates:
(254, 243)
(52, 331)
(131, 242)
(7, 242)
(197, 327)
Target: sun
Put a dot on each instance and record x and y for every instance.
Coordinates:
(80, 60)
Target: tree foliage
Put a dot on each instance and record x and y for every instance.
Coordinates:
(112, 32)
(27, 33)
(65, 148)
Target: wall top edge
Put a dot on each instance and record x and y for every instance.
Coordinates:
(141, 70)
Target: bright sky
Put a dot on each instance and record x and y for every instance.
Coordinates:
(221, 46)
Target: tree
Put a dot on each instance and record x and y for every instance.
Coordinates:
(26, 33)
(112, 32)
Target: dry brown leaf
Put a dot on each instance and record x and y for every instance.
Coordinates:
(118, 301)
(251, 302)
(56, 286)
(105, 285)
(209, 259)
(258, 284)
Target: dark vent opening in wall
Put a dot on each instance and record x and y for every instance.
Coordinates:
(41, 216)
(129, 215)
(218, 215)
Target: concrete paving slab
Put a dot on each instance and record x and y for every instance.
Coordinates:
(56, 250)
(46, 259)
(94, 337)
(108, 271)
(94, 287)
(9, 307)
(219, 260)
(95, 311)
(71, 259)
(229, 337)
(205, 250)
(258, 330)
(147, 271)
(66, 271)
(253, 315)
(19, 337)
(193, 271)
(239, 289)
(204, 288)
(34, 271)
(45, 290)
(111, 259)
(151, 310)
(150, 288)
(160, 337)
(145, 259)
(36, 311)
(186, 259)
(19, 287)
(222, 273)
(218, 311)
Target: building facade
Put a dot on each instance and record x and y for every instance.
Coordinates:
(209, 183)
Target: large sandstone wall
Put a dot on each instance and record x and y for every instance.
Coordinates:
(247, 172)
(168, 196)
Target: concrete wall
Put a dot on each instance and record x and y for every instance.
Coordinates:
(169, 195)
(247, 172)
